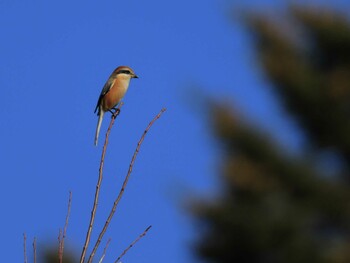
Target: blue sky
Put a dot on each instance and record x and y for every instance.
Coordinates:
(55, 58)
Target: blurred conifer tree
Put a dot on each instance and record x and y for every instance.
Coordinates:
(273, 206)
(50, 255)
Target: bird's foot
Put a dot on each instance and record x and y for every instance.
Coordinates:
(115, 113)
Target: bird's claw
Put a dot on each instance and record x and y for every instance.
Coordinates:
(115, 113)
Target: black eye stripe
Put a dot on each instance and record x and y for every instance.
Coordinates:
(125, 71)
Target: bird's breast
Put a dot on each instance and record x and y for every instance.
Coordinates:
(114, 95)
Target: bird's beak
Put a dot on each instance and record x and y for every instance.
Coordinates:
(135, 76)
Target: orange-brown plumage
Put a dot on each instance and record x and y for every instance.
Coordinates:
(112, 93)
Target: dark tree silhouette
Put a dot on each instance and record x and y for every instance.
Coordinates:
(274, 206)
(50, 255)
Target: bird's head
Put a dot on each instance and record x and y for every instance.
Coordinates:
(124, 72)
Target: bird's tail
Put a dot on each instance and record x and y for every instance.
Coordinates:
(100, 117)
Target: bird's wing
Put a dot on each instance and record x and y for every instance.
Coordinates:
(108, 85)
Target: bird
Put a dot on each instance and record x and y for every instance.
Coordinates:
(112, 93)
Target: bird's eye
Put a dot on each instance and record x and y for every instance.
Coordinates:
(125, 71)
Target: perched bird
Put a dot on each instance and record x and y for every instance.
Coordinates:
(112, 93)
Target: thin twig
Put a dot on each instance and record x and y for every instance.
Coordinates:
(25, 247)
(115, 204)
(60, 252)
(62, 235)
(133, 243)
(98, 185)
(34, 249)
(104, 251)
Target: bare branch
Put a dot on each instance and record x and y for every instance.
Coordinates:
(60, 252)
(123, 186)
(104, 251)
(62, 235)
(34, 249)
(133, 243)
(25, 247)
(98, 185)
(68, 213)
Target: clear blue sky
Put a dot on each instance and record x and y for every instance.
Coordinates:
(54, 60)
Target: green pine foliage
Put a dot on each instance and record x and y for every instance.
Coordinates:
(273, 206)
